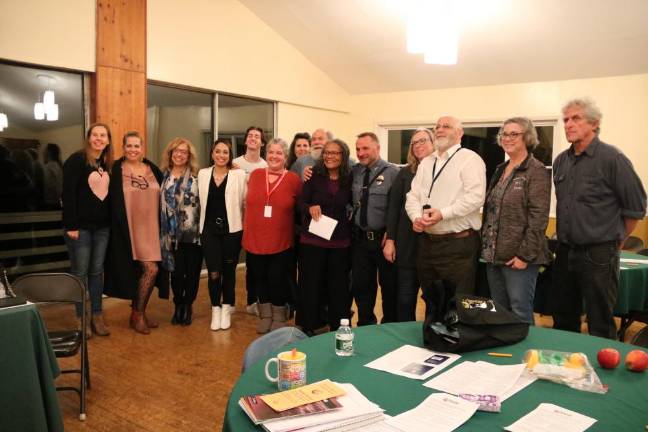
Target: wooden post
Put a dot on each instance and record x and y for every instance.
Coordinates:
(119, 84)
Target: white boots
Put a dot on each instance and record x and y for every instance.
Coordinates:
(225, 317)
(216, 318)
(221, 317)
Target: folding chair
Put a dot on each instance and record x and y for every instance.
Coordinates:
(641, 338)
(270, 342)
(62, 288)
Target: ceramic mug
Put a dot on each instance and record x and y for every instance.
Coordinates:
(291, 370)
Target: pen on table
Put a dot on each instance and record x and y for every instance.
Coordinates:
(494, 354)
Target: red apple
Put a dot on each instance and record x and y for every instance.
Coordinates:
(636, 361)
(608, 358)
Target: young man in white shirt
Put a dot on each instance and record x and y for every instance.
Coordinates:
(447, 192)
(248, 162)
(251, 160)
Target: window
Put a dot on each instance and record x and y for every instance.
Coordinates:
(236, 114)
(480, 139)
(172, 113)
(31, 154)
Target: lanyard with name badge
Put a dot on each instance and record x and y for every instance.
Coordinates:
(436, 176)
(267, 210)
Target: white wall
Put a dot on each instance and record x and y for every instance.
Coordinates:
(221, 45)
(623, 101)
(51, 33)
(295, 118)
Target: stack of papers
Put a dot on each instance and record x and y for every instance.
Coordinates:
(343, 413)
(439, 412)
(482, 378)
(413, 362)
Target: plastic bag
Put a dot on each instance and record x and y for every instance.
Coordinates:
(572, 369)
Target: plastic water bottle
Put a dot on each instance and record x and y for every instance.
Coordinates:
(344, 339)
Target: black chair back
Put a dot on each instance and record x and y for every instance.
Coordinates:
(50, 287)
(633, 244)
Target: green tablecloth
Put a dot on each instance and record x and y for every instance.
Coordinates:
(623, 408)
(633, 286)
(28, 399)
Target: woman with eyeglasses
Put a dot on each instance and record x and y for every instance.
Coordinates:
(325, 263)
(515, 217)
(86, 215)
(179, 217)
(135, 234)
(400, 245)
(268, 233)
(222, 193)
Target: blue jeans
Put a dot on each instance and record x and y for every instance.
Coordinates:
(87, 255)
(514, 289)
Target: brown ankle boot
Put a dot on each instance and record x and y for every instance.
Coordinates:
(150, 322)
(99, 326)
(278, 317)
(265, 318)
(138, 323)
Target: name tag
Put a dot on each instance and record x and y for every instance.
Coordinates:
(267, 211)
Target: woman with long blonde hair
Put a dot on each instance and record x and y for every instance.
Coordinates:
(179, 218)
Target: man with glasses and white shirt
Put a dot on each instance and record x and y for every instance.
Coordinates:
(447, 192)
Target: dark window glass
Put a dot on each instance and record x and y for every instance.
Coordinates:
(31, 155)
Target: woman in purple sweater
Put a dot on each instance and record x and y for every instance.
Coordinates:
(325, 264)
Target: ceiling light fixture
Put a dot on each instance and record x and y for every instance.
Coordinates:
(432, 30)
(47, 109)
(4, 121)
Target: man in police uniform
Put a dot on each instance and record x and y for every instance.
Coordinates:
(372, 180)
(599, 200)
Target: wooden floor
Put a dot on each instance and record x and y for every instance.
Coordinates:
(177, 378)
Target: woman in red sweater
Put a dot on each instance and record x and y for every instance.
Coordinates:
(268, 233)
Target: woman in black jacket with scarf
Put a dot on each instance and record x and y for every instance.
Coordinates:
(134, 250)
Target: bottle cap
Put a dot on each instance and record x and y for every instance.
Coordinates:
(344, 322)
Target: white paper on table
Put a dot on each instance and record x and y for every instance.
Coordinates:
(634, 260)
(324, 227)
(381, 426)
(478, 378)
(551, 418)
(413, 362)
(526, 378)
(354, 406)
(444, 411)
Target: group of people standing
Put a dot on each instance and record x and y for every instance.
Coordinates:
(399, 228)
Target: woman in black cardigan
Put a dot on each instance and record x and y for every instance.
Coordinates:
(325, 264)
(134, 250)
(400, 245)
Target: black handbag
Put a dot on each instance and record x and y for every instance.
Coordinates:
(464, 323)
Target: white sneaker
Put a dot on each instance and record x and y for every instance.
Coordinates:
(225, 317)
(216, 318)
(253, 309)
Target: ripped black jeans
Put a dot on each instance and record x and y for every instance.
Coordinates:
(221, 252)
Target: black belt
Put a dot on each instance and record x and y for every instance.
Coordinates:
(369, 235)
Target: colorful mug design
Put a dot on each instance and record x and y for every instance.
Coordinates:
(291, 370)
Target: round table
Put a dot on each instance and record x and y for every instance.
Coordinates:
(623, 408)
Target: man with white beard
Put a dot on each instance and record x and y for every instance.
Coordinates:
(447, 192)
(318, 139)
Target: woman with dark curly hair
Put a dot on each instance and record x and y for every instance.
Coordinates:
(325, 263)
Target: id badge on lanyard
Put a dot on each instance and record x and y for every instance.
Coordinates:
(267, 209)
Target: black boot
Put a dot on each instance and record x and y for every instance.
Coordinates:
(176, 315)
(187, 315)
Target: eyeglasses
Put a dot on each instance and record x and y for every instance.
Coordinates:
(139, 182)
(443, 126)
(512, 135)
(181, 152)
(331, 153)
(420, 141)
